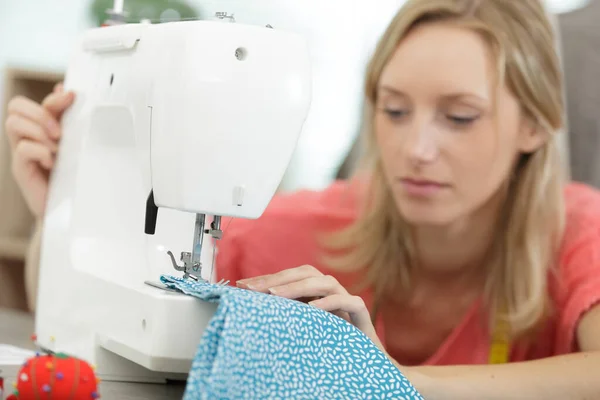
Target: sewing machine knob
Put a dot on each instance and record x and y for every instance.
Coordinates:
(240, 53)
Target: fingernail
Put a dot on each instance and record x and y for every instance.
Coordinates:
(259, 284)
(274, 291)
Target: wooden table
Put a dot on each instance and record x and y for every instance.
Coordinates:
(16, 329)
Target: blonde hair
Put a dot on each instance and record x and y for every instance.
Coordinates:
(523, 42)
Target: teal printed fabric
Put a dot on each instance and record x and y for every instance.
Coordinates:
(260, 346)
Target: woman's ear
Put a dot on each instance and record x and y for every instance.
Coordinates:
(531, 136)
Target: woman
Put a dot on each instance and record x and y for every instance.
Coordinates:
(468, 246)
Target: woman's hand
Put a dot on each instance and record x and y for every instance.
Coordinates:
(33, 132)
(322, 291)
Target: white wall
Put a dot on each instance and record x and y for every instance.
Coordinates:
(563, 6)
(40, 33)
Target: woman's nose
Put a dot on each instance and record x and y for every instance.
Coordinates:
(422, 147)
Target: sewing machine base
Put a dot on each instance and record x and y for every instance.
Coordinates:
(113, 366)
(140, 341)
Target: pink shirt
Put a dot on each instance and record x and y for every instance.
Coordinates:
(284, 237)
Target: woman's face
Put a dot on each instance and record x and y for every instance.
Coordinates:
(448, 139)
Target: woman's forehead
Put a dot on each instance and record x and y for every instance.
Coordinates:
(441, 58)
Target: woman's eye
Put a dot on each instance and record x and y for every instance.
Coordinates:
(394, 114)
(460, 120)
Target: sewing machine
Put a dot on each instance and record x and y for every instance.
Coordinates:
(176, 127)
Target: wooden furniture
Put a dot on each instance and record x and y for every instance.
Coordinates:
(16, 222)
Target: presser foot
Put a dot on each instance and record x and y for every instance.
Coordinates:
(192, 266)
(191, 270)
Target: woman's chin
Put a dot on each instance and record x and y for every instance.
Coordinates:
(425, 214)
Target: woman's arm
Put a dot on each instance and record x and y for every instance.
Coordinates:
(573, 376)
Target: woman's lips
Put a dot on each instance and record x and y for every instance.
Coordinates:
(421, 188)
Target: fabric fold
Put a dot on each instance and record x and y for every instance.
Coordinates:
(259, 346)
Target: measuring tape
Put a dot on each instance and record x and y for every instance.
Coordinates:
(500, 346)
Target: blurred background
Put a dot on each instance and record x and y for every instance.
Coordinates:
(36, 38)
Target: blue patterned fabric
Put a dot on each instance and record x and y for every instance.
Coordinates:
(260, 346)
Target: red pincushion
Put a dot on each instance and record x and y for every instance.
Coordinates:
(55, 377)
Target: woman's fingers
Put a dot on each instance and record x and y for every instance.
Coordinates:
(264, 282)
(353, 305)
(59, 87)
(20, 128)
(29, 152)
(57, 102)
(314, 286)
(31, 164)
(306, 283)
(31, 110)
(33, 131)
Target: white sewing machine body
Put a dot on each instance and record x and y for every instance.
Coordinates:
(203, 114)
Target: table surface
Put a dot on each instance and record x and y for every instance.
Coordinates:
(16, 329)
